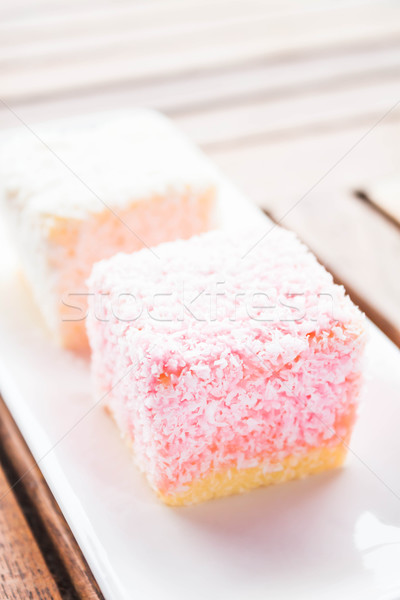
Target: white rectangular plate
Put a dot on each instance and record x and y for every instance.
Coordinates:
(335, 535)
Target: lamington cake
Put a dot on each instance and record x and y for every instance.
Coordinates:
(226, 369)
(80, 191)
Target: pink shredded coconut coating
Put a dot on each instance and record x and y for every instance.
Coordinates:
(208, 367)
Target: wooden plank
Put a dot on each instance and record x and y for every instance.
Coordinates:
(228, 44)
(299, 185)
(23, 571)
(253, 121)
(384, 195)
(46, 507)
(261, 101)
(157, 17)
(270, 83)
(253, 83)
(91, 20)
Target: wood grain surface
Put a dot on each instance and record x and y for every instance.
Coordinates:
(28, 476)
(297, 101)
(23, 571)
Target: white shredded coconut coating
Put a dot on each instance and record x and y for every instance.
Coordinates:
(72, 170)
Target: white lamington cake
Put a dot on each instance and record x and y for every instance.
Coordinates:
(78, 191)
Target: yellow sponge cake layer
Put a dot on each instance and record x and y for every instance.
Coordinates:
(235, 481)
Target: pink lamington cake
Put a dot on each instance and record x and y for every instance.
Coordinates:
(226, 369)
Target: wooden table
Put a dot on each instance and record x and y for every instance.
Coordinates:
(298, 102)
